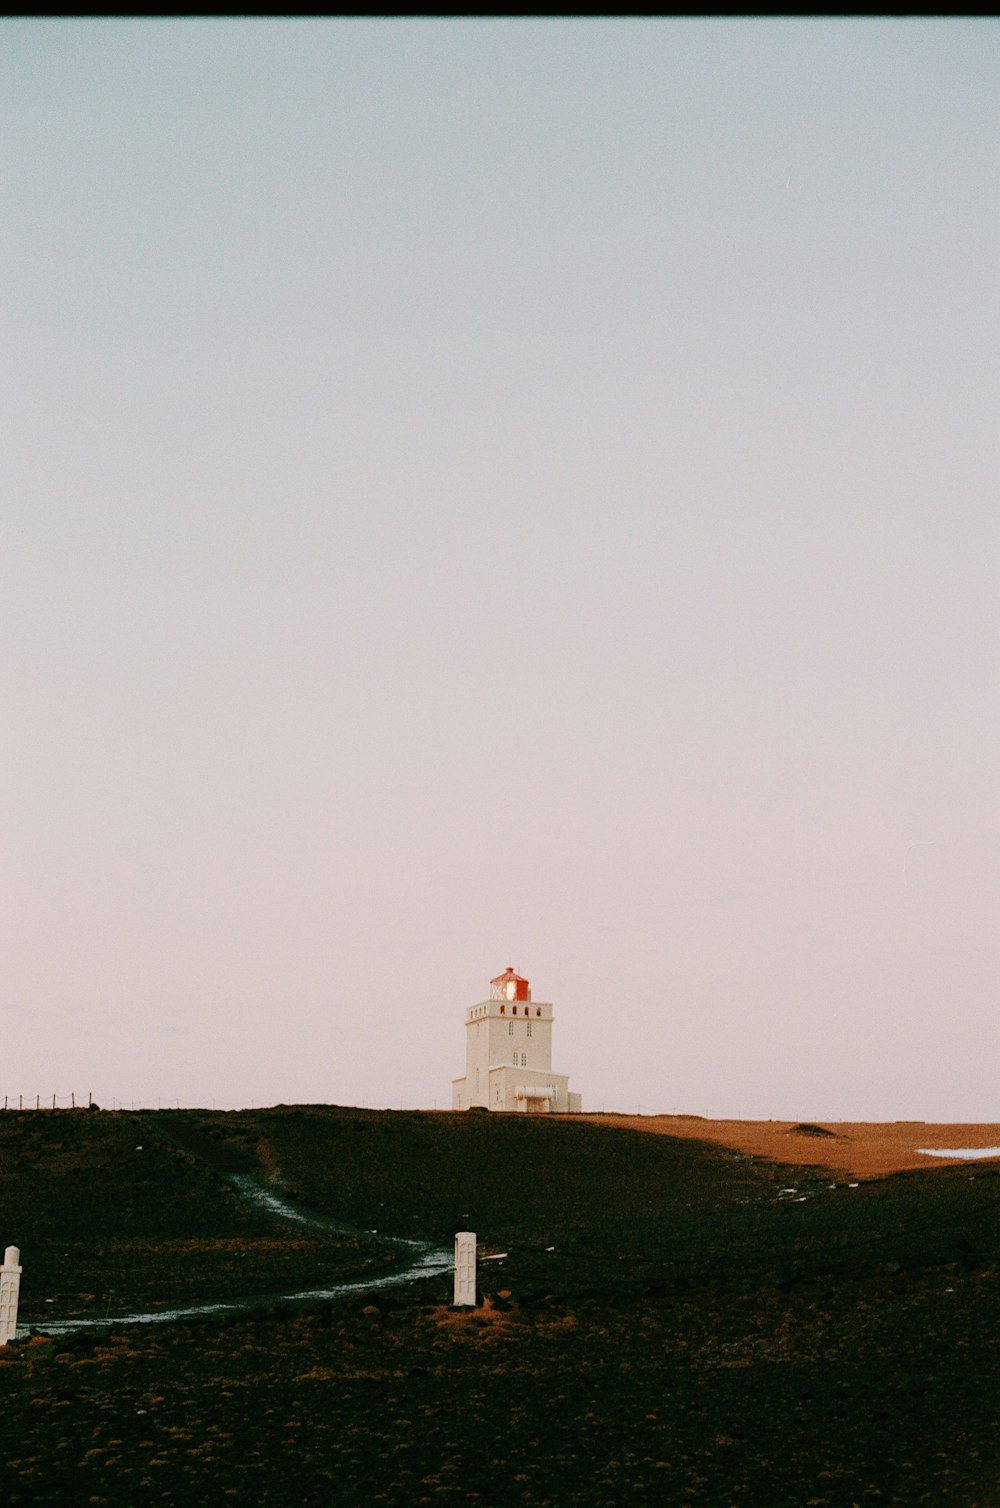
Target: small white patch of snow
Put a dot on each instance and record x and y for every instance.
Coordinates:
(966, 1152)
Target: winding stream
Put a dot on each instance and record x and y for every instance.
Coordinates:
(426, 1261)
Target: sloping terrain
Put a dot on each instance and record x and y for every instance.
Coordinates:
(674, 1323)
(589, 1199)
(111, 1217)
(851, 1149)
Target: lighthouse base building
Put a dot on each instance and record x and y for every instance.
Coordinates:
(508, 1054)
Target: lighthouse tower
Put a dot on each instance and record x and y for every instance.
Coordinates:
(508, 1054)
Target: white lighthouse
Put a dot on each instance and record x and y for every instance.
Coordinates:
(508, 1054)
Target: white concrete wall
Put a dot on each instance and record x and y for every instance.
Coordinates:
(508, 1044)
(465, 1268)
(10, 1283)
(517, 1033)
(505, 1081)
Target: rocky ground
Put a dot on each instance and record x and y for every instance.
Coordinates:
(674, 1321)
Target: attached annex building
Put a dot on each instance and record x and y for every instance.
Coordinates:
(508, 1054)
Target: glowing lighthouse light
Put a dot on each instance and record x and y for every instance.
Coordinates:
(509, 986)
(508, 1054)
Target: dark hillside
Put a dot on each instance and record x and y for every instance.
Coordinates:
(111, 1217)
(675, 1210)
(674, 1324)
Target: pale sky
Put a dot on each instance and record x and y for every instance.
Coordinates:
(501, 492)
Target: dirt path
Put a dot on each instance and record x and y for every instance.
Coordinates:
(417, 1260)
(861, 1149)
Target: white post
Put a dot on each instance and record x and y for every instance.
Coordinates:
(10, 1284)
(465, 1268)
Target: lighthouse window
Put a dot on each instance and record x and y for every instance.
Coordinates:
(524, 1060)
(510, 1028)
(529, 1028)
(538, 1010)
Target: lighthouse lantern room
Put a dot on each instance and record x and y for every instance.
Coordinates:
(508, 1054)
(509, 986)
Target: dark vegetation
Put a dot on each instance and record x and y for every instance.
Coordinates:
(672, 1324)
(112, 1217)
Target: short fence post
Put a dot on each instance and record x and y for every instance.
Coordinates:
(10, 1284)
(465, 1268)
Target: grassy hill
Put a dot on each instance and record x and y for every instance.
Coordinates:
(669, 1325)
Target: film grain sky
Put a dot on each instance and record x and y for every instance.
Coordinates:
(494, 492)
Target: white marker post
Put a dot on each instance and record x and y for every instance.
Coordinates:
(10, 1285)
(465, 1268)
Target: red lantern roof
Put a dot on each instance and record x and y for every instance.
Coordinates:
(509, 986)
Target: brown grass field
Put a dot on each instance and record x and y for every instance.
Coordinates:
(860, 1149)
